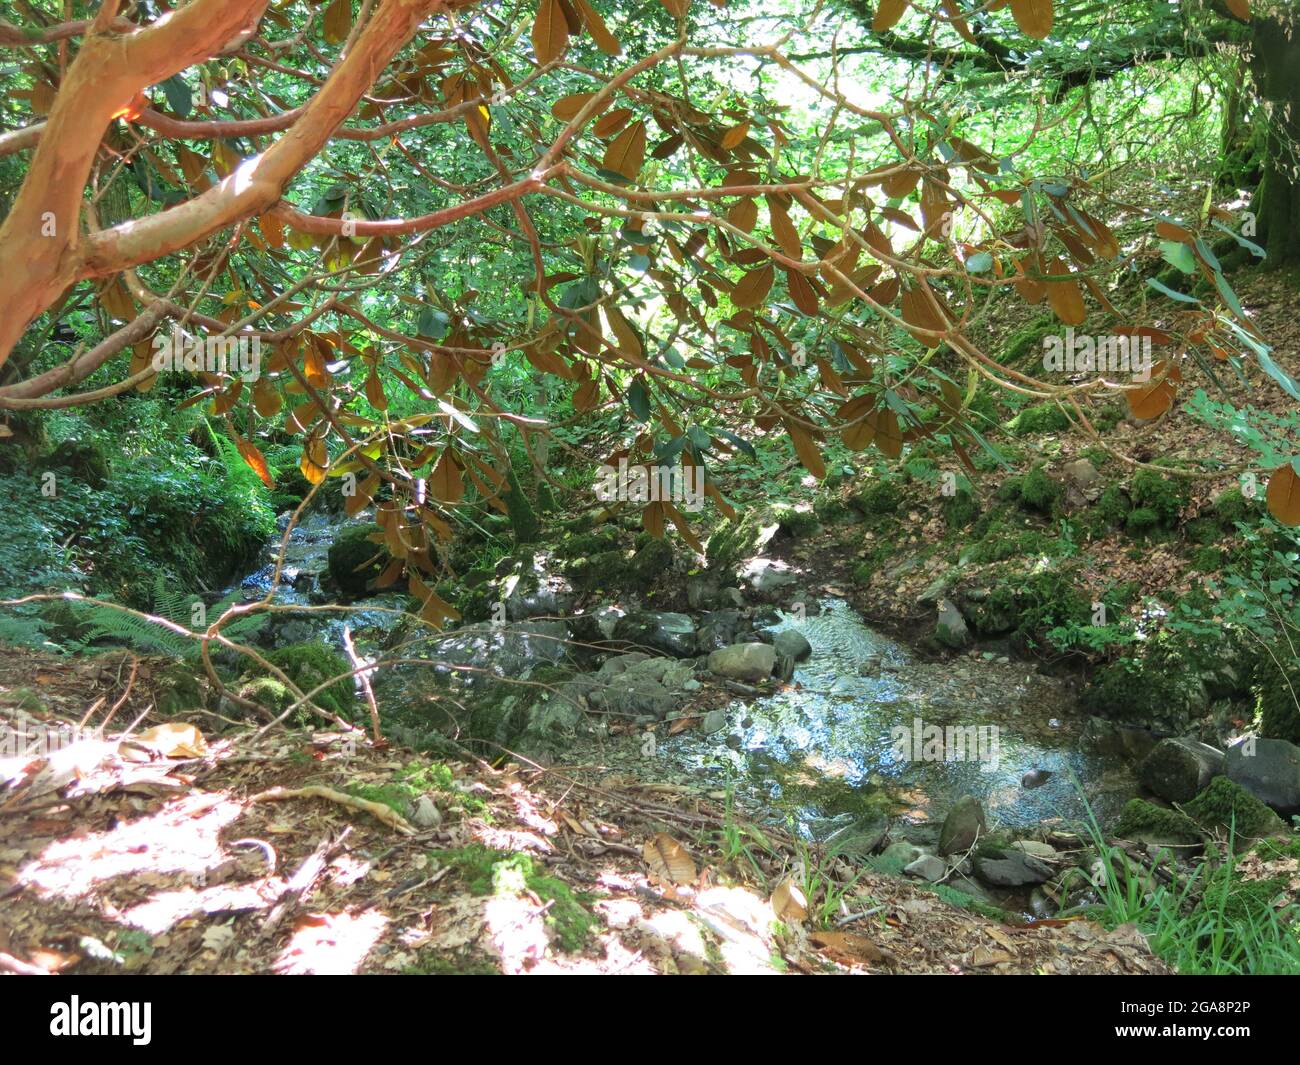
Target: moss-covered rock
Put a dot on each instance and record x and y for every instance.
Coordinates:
(738, 539)
(307, 665)
(1145, 822)
(82, 459)
(355, 559)
(651, 561)
(1226, 805)
(797, 523)
(879, 497)
(1160, 688)
(1277, 694)
(1043, 418)
(960, 509)
(1164, 496)
(523, 518)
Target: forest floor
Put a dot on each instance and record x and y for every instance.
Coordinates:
(154, 850)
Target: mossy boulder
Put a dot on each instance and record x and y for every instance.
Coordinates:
(960, 509)
(1145, 822)
(1226, 805)
(307, 665)
(80, 458)
(177, 689)
(355, 559)
(1178, 769)
(1159, 689)
(1277, 695)
(1042, 418)
(879, 497)
(652, 560)
(1165, 497)
(740, 538)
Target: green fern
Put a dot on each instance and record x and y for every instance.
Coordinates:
(145, 635)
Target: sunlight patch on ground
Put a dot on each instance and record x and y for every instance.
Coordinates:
(331, 944)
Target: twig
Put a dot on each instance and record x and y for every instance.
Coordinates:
(302, 880)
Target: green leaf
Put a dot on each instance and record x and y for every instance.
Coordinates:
(639, 400)
(179, 97)
(1182, 297)
(1179, 256)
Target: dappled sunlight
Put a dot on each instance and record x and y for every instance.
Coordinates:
(330, 944)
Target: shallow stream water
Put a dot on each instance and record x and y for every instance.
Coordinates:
(825, 747)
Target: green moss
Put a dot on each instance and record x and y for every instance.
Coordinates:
(1146, 822)
(651, 561)
(797, 523)
(879, 497)
(960, 509)
(1040, 492)
(81, 459)
(1277, 692)
(429, 963)
(1113, 506)
(736, 539)
(307, 665)
(1043, 418)
(1164, 496)
(487, 871)
(1030, 606)
(1207, 559)
(1141, 521)
(1232, 507)
(582, 544)
(1225, 805)
(405, 788)
(523, 519)
(355, 560)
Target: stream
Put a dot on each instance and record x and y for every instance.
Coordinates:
(822, 749)
(821, 752)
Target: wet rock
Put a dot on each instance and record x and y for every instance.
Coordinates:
(767, 576)
(702, 591)
(950, 627)
(792, 644)
(1178, 769)
(964, 824)
(1269, 770)
(632, 686)
(595, 626)
(1014, 864)
(534, 593)
(927, 867)
(1105, 737)
(355, 559)
(987, 614)
(714, 721)
(743, 661)
(502, 650)
(673, 634)
(1035, 778)
(858, 839)
(784, 668)
(718, 629)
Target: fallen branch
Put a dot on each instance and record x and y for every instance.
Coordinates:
(378, 810)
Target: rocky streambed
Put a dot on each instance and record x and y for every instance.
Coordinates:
(973, 770)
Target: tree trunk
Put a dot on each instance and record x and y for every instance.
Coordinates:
(1275, 63)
